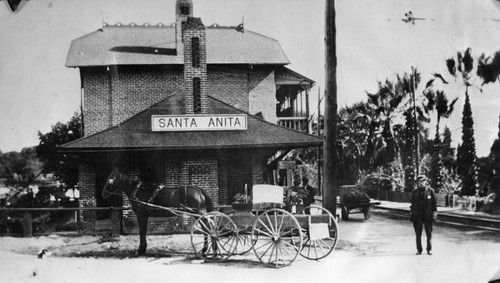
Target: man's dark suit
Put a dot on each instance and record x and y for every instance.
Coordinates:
(423, 206)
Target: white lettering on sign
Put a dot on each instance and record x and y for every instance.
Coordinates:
(166, 123)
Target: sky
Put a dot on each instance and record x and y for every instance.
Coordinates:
(37, 90)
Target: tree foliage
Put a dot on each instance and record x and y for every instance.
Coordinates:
(64, 167)
(467, 160)
(18, 168)
(495, 160)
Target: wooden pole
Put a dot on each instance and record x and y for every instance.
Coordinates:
(27, 224)
(318, 130)
(416, 128)
(330, 186)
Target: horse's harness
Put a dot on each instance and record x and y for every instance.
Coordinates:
(158, 188)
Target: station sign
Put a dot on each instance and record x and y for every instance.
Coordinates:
(198, 122)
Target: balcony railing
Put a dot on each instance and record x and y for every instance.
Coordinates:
(296, 123)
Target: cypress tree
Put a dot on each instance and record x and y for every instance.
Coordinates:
(467, 160)
(495, 158)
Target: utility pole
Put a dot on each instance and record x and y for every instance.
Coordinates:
(410, 19)
(415, 125)
(330, 184)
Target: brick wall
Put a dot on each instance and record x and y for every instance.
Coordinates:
(230, 86)
(262, 95)
(222, 176)
(258, 170)
(252, 92)
(200, 171)
(133, 89)
(87, 183)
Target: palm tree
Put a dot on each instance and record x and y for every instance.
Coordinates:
(464, 64)
(387, 104)
(488, 68)
(438, 101)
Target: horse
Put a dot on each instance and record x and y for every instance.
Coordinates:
(148, 199)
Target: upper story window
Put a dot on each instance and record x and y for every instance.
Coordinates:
(195, 52)
(197, 95)
(185, 10)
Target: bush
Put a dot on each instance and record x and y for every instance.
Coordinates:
(373, 183)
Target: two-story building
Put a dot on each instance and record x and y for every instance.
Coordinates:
(184, 104)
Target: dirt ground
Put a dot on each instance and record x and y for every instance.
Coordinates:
(378, 250)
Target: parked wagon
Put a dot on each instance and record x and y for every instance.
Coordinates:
(275, 235)
(356, 202)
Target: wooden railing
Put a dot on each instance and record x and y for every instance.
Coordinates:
(27, 223)
(296, 123)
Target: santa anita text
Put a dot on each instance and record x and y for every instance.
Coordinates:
(198, 122)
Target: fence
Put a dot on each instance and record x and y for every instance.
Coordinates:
(27, 222)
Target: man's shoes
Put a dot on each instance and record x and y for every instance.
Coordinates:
(429, 253)
(418, 253)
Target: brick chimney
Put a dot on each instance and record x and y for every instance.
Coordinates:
(195, 66)
(183, 10)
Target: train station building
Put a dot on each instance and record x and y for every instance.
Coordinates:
(184, 104)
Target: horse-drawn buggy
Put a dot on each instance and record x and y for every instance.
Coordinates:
(275, 235)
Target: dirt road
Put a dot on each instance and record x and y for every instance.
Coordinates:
(378, 250)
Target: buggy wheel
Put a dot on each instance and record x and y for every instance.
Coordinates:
(276, 238)
(213, 236)
(367, 211)
(345, 213)
(243, 242)
(318, 243)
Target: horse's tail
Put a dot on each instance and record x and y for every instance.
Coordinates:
(209, 204)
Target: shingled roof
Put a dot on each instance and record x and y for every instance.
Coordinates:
(136, 134)
(155, 45)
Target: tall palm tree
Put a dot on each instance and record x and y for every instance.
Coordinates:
(388, 102)
(488, 68)
(437, 101)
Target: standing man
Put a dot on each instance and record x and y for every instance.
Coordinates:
(309, 193)
(423, 212)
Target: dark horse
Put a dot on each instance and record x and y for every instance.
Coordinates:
(147, 198)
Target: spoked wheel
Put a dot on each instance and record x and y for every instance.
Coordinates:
(367, 211)
(213, 236)
(321, 237)
(276, 238)
(243, 241)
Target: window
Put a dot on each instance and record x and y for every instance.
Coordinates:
(197, 95)
(195, 52)
(185, 10)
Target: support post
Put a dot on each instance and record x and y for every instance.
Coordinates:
(115, 222)
(330, 186)
(27, 224)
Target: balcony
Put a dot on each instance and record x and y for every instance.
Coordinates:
(296, 123)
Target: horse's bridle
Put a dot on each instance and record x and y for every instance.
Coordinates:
(110, 181)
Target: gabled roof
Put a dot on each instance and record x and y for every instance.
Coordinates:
(285, 76)
(136, 133)
(155, 45)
